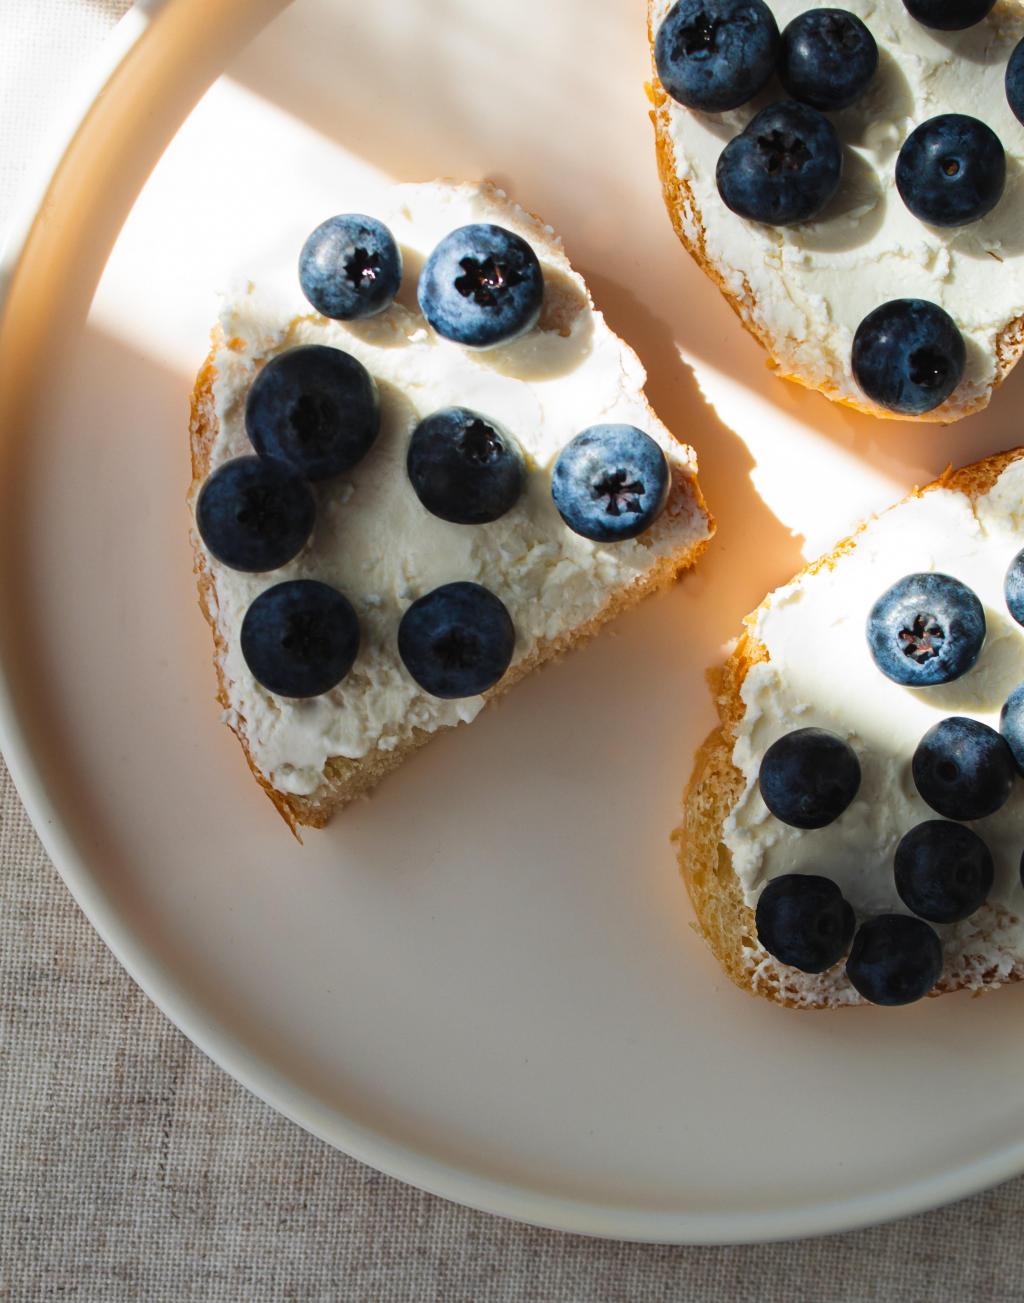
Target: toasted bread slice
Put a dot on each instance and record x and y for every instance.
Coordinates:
(801, 291)
(721, 804)
(376, 543)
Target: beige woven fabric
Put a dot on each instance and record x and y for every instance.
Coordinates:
(132, 1168)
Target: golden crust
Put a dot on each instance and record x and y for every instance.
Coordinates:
(346, 779)
(716, 785)
(686, 219)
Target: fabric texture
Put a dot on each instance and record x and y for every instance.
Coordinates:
(132, 1168)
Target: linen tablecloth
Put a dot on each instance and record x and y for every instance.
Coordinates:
(132, 1168)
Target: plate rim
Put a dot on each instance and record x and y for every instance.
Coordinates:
(373, 1147)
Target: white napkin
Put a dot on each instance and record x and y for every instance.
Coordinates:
(43, 48)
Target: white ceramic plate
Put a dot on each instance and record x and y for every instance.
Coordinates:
(484, 980)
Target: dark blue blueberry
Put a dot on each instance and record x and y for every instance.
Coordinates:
(926, 629)
(1015, 81)
(804, 921)
(315, 408)
(963, 768)
(457, 641)
(350, 267)
(1013, 587)
(464, 467)
(951, 170)
(482, 286)
(908, 356)
(948, 15)
(783, 167)
(809, 777)
(255, 513)
(827, 58)
(895, 959)
(1011, 725)
(716, 54)
(300, 638)
(943, 871)
(610, 483)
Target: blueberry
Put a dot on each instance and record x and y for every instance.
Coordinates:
(827, 58)
(1011, 724)
(300, 638)
(948, 15)
(255, 513)
(908, 356)
(1015, 81)
(1013, 587)
(350, 267)
(716, 54)
(783, 167)
(464, 467)
(943, 871)
(482, 286)
(963, 768)
(457, 641)
(895, 959)
(610, 483)
(809, 777)
(315, 408)
(951, 170)
(804, 921)
(926, 629)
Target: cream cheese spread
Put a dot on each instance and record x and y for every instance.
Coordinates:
(374, 540)
(806, 288)
(819, 672)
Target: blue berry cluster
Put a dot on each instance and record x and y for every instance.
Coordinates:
(313, 413)
(927, 629)
(785, 166)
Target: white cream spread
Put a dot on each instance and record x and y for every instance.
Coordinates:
(374, 540)
(820, 672)
(807, 288)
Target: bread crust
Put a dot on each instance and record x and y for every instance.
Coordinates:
(716, 785)
(346, 779)
(688, 224)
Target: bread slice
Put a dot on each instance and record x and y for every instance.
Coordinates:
(986, 950)
(569, 372)
(801, 291)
